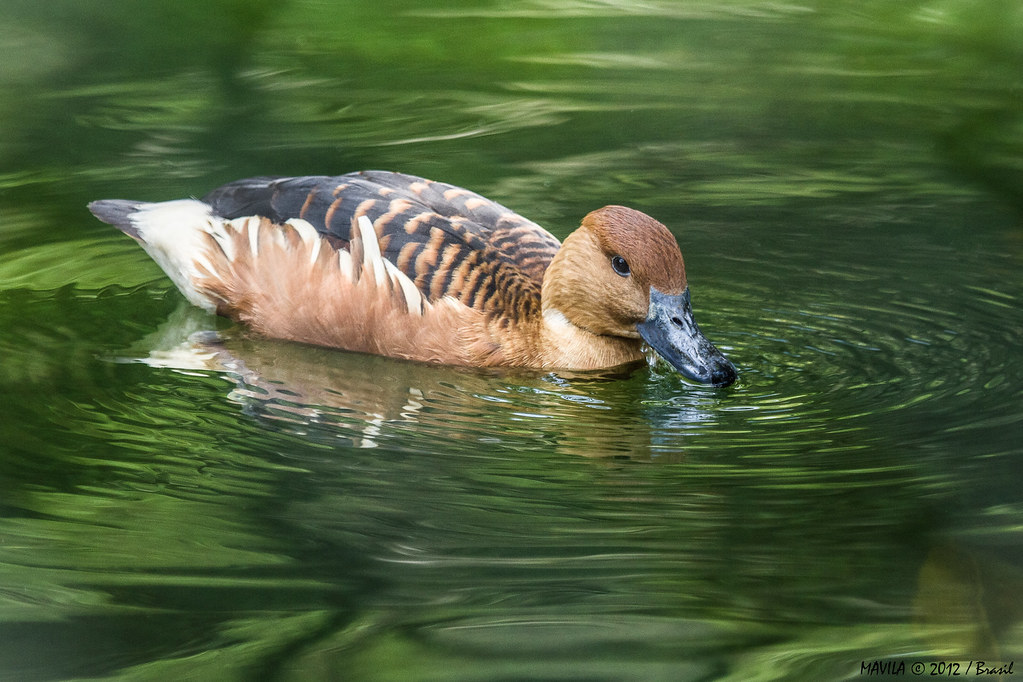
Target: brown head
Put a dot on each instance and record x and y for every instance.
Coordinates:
(621, 274)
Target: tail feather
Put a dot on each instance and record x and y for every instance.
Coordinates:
(174, 233)
(118, 212)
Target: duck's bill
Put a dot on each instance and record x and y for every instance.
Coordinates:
(671, 330)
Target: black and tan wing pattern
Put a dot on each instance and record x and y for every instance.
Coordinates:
(448, 240)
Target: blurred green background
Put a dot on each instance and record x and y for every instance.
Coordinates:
(845, 179)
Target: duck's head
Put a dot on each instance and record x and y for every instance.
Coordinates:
(621, 274)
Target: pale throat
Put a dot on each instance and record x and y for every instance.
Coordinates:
(582, 349)
(555, 322)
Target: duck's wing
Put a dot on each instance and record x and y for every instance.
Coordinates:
(448, 240)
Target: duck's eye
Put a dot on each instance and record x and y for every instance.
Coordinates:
(620, 265)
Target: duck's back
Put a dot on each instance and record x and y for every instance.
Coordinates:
(448, 240)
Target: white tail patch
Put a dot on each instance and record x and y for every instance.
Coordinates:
(174, 234)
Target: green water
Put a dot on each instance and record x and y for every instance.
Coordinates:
(846, 182)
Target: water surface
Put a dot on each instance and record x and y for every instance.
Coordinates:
(182, 500)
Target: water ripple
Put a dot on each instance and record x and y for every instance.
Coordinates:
(890, 358)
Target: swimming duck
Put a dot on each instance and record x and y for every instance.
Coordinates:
(397, 265)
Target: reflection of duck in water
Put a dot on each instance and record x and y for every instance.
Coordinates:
(367, 401)
(396, 265)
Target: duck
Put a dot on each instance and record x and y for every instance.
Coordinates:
(397, 265)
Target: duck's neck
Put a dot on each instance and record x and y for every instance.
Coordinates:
(567, 346)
